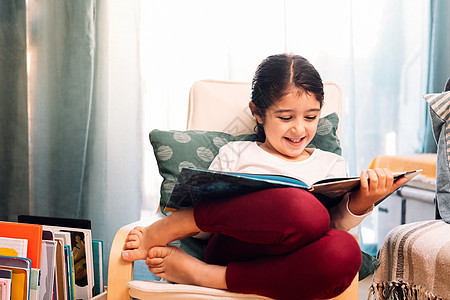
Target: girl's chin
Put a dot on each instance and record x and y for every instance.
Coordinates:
(294, 152)
(297, 156)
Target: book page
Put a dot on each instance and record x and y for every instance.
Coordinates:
(338, 187)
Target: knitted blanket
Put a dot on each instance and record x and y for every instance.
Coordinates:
(415, 263)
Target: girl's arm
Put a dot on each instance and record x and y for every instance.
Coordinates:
(375, 185)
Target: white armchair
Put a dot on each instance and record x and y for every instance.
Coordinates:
(213, 106)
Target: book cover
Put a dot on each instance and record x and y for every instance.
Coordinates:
(13, 247)
(69, 272)
(65, 236)
(79, 231)
(20, 279)
(48, 265)
(97, 249)
(34, 283)
(5, 281)
(5, 274)
(30, 232)
(5, 288)
(54, 221)
(47, 235)
(194, 185)
(80, 244)
(61, 280)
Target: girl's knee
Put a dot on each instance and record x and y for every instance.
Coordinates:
(345, 253)
(299, 209)
(298, 214)
(342, 259)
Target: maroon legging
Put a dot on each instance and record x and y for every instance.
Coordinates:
(278, 243)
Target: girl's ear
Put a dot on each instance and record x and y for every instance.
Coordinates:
(255, 112)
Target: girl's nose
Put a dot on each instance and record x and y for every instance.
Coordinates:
(297, 128)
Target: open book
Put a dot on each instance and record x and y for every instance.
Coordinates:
(194, 185)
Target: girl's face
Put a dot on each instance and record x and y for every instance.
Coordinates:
(290, 125)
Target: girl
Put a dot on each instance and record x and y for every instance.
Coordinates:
(280, 243)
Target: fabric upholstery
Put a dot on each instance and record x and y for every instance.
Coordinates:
(440, 117)
(223, 106)
(414, 262)
(149, 290)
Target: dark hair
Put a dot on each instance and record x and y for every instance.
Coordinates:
(277, 76)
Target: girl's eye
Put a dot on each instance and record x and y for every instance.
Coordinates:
(311, 118)
(285, 118)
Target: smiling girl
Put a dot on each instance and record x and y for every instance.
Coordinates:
(279, 243)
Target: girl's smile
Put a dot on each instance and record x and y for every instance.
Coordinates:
(290, 125)
(295, 142)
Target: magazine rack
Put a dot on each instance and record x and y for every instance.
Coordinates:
(213, 106)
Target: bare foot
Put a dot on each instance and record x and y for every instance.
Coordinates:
(173, 264)
(138, 242)
(179, 224)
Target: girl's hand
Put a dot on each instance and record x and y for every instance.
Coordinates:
(375, 185)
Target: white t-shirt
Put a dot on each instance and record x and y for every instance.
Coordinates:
(248, 157)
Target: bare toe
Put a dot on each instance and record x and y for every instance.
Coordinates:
(160, 252)
(154, 261)
(133, 255)
(134, 245)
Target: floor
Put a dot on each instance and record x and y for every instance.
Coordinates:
(363, 288)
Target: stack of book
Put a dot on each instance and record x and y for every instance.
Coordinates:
(49, 258)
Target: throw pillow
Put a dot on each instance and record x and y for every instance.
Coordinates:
(440, 117)
(177, 149)
(368, 266)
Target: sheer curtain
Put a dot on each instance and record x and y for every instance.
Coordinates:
(376, 52)
(439, 57)
(86, 133)
(72, 136)
(14, 167)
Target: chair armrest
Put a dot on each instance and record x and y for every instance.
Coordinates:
(119, 271)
